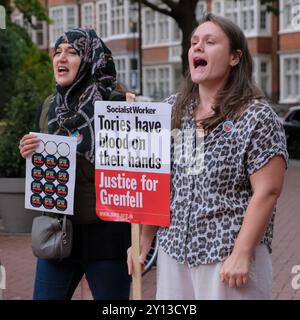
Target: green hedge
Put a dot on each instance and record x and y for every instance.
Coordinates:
(32, 82)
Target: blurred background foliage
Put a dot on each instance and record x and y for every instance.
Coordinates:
(26, 79)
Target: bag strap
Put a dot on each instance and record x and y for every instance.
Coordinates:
(43, 121)
(64, 230)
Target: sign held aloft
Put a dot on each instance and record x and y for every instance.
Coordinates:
(133, 162)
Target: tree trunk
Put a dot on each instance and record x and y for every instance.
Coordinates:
(183, 12)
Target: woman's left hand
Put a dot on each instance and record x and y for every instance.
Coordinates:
(235, 270)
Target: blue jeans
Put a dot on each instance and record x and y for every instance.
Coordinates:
(57, 280)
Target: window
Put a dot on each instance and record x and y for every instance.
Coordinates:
(217, 7)
(2, 17)
(150, 27)
(121, 70)
(177, 79)
(18, 19)
(41, 34)
(248, 12)
(263, 73)
(133, 17)
(250, 15)
(158, 28)
(71, 18)
(200, 10)
(263, 19)
(176, 31)
(134, 74)
(232, 12)
(127, 71)
(290, 78)
(63, 19)
(163, 82)
(163, 28)
(38, 34)
(157, 82)
(102, 24)
(151, 88)
(117, 17)
(290, 15)
(264, 77)
(87, 16)
(57, 26)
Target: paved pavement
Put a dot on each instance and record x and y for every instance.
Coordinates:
(16, 255)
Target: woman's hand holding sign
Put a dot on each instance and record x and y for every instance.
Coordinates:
(148, 233)
(28, 144)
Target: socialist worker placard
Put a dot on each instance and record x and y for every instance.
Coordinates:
(132, 162)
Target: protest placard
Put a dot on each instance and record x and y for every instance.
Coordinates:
(50, 174)
(132, 177)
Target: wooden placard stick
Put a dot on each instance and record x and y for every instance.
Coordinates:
(135, 245)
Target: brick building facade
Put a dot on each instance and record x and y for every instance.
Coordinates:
(274, 41)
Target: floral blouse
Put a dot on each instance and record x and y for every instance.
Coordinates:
(208, 204)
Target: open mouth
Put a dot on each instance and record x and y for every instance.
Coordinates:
(62, 70)
(199, 62)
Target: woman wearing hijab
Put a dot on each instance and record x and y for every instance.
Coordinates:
(84, 72)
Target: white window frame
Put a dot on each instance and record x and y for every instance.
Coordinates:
(146, 42)
(174, 52)
(136, 71)
(146, 80)
(203, 4)
(75, 12)
(176, 79)
(43, 30)
(157, 80)
(283, 96)
(98, 20)
(158, 42)
(217, 7)
(163, 28)
(52, 12)
(257, 60)
(256, 31)
(19, 20)
(164, 80)
(65, 26)
(133, 16)
(2, 17)
(126, 33)
(288, 28)
(127, 70)
(83, 8)
(174, 29)
(120, 19)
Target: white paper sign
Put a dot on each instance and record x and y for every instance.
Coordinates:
(128, 134)
(50, 174)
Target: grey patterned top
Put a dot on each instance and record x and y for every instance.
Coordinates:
(208, 206)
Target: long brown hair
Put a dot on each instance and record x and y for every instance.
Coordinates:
(239, 87)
